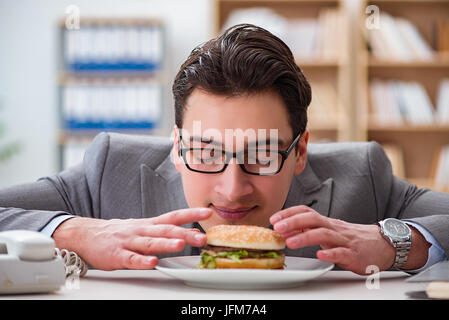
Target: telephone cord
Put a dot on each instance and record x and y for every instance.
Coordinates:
(73, 264)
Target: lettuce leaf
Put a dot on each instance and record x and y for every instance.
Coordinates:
(208, 260)
(271, 254)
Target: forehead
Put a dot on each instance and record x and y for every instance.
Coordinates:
(250, 112)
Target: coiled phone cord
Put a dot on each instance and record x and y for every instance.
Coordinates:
(73, 264)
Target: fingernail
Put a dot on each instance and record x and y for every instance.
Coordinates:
(281, 226)
(275, 219)
(176, 243)
(204, 211)
(150, 260)
(199, 237)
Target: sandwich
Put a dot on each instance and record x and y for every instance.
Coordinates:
(242, 246)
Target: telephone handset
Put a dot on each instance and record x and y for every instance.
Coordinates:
(29, 262)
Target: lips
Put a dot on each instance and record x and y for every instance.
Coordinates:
(232, 213)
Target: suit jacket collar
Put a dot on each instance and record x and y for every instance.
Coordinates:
(161, 188)
(307, 189)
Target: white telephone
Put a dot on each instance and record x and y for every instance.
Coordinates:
(29, 262)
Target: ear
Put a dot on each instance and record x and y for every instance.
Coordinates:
(301, 156)
(176, 158)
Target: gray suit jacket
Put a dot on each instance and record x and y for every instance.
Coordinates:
(124, 176)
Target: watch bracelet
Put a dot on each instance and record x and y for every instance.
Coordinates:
(402, 252)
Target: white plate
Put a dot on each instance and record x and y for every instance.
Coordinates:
(297, 271)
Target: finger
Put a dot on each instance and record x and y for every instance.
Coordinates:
(317, 236)
(132, 260)
(151, 246)
(278, 216)
(191, 236)
(346, 259)
(310, 219)
(293, 233)
(340, 255)
(183, 216)
(290, 234)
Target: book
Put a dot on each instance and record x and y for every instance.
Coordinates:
(398, 39)
(442, 109)
(378, 48)
(414, 41)
(312, 38)
(324, 107)
(302, 38)
(438, 290)
(329, 38)
(394, 102)
(260, 16)
(113, 47)
(385, 108)
(111, 106)
(419, 109)
(393, 39)
(441, 175)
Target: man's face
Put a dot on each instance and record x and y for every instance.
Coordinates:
(237, 197)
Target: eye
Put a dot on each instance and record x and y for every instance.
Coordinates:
(210, 156)
(261, 157)
(263, 161)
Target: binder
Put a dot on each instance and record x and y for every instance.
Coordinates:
(106, 107)
(113, 48)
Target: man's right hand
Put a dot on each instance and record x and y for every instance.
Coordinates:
(130, 243)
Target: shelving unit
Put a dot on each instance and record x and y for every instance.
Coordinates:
(420, 144)
(353, 70)
(111, 78)
(331, 72)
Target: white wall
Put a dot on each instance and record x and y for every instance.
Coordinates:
(29, 62)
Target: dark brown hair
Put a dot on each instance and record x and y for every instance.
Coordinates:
(245, 59)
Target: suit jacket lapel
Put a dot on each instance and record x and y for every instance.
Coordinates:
(161, 189)
(307, 189)
(162, 192)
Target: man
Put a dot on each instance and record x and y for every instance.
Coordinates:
(134, 199)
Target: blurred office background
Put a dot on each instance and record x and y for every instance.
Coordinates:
(379, 71)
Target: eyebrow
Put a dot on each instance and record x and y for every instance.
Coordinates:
(281, 143)
(204, 140)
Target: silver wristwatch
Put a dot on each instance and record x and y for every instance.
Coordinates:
(399, 235)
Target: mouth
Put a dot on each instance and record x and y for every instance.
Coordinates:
(228, 213)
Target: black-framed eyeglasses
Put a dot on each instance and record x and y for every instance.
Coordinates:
(261, 161)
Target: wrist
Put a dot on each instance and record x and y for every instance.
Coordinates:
(67, 234)
(388, 252)
(419, 251)
(417, 256)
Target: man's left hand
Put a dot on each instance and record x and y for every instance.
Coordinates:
(351, 246)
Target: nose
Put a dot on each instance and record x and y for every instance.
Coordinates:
(234, 183)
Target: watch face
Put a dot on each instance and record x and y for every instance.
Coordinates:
(396, 228)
